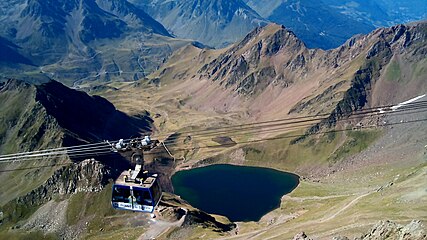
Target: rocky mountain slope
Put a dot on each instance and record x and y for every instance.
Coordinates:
(10, 54)
(215, 23)
(52, 115)
(389, 229)
(272, 74)
(87, 39)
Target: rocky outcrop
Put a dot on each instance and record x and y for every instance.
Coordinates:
(247, 67)
(357, 96)
(384, 230)
(415, 230)
(388, 43)
(301, 236)
(196, 217)
(86, 176)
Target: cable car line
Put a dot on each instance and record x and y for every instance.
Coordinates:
(264, 140)
(270, 130)
(55, 149)
(281, 129)
(80, 155)
(71, 148)
(283, 137)
(55, 153)
(298, 135)
(237, 128)
(254, 125)
(309, 121)
(321, 133)
(245, 131)
(386, 108)
(94, 150)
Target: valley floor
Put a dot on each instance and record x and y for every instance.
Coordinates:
(386, 181)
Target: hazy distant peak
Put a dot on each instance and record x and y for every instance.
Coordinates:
(217, 23)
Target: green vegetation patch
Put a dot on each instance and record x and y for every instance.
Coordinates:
(356, 142)
(420, 68)
(393, 71)
(74, 208)
(14, 212)
(315, 150)
(98, 205)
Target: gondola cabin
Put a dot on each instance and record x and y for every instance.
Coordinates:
(140, 195)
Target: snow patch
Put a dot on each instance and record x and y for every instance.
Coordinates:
(394, 108)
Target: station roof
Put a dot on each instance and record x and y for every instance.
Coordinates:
(145, 182)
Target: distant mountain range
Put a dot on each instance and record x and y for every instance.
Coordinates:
(329, 23)
(216, 23)
(84, 39)
(322, 24)
(78, 41)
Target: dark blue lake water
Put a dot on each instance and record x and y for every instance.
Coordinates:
(240, 193)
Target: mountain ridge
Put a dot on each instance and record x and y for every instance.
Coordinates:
(271, 66)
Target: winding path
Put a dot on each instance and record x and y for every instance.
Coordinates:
(255, 234)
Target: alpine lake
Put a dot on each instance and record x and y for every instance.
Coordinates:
(238, 192)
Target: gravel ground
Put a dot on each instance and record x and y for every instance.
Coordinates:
(405, 142)
(51, 218)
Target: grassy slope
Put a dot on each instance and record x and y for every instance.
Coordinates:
(327, 149)
(96, 209)
(91, 212)
(303, 157)
(347, 202)
(20, 111)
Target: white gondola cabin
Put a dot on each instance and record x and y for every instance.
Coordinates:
(141, 195)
